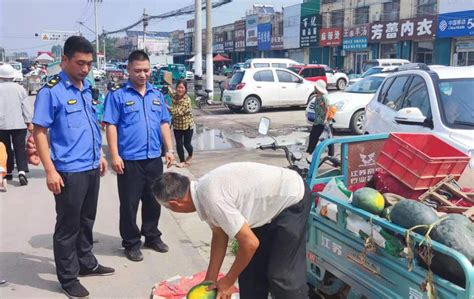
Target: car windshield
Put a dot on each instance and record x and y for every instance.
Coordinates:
(295, 70)
(16, 67)
(236, 78)
(369, 64)
(372, 71)
(456, 104)
(366, 85)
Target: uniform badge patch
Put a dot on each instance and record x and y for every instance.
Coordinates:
(156, 102)
(55, 80)
(72, 102)
(129, 103)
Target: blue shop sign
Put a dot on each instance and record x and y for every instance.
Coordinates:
(264, 36)
(454, 24)
(355, 43)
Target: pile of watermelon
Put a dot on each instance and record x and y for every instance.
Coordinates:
(455, 231)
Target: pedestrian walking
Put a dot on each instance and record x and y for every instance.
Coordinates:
(65, 107)
(137, 123)
(265, 208)
(321, 106)
(15, 119)
(183, 122)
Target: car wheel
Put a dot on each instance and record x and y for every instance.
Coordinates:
(341, 84)
(357, 122)
(252, 104)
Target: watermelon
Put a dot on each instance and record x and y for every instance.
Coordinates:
(369, 200)
(408, 213)
(200, 291)
(456, 232)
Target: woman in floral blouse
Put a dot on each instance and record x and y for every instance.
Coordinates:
(183, 122)
(320, 117)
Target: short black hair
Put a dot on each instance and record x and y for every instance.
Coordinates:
(76, 44)
(182, 82)
(137, 55)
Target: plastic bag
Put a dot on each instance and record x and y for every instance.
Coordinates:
(335, 188)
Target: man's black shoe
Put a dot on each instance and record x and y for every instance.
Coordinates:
(98, 271)
(157, 245)
(9, 176)
(134, 254)
(76, 290)
(23, 179)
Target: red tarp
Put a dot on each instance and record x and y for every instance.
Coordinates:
(220, 58)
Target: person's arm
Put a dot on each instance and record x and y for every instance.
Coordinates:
(26, 109)
(166, 138)
(218, 251)
(53, 179)
(117, 162)
(248, 244)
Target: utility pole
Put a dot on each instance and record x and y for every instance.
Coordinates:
(104, 42)
(96, 32)
(209, 62)
(197, 45)
(145, 24)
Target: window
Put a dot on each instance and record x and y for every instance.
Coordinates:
(318, 72)
(286, 77)
(388, 51)
(264, 76)
(280, 65)
(337, 18)
(424, 52)
(306, 73)
(456, 105)
(366, 85)
(417, 96)
(394, 96)
(361, 15)
(391, 11)
(384, 89)
(426, 7)
(295, 70)
(260, 65)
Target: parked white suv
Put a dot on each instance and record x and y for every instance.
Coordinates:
(252, 89)
(420, 99)
(336, 79)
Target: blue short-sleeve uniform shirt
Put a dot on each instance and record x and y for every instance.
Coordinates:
(138, 120)
(70, 115)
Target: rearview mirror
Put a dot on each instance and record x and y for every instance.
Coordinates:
(410, 116)
(264, 126)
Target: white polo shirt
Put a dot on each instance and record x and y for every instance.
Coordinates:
(235, 193)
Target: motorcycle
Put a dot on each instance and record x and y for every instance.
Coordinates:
(202, 98)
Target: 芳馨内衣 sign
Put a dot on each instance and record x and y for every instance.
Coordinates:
(407, 29)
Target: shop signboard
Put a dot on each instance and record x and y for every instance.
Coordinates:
(408, 29)
(251, 23)
(330, 37)
(456, 24)
(356, 31)
(239, 36)
(355, 43)
(291, 26)
(309, 28)
(264, 37)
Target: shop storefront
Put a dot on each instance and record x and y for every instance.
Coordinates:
(456, 29)
(355, 47)
(423, 52)
(331, 38)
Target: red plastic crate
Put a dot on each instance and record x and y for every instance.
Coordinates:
(420, 160)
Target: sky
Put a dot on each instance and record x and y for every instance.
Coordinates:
(21, 19)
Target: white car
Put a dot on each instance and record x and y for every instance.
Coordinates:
(252, 89)
(336, 79)
(372, 71)
(350, 104)
(98, 74)
(427, 100)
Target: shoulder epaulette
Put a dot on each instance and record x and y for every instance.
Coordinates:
(117, 87)
(55, 80)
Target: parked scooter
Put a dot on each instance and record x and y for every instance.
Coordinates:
(202, 98)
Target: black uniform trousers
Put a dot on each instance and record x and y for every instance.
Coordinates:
(279, 264)
(18, 139)
(135, 185)
(76, 208)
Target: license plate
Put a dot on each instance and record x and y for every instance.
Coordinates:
(227, 98)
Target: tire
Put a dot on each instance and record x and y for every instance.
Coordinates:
(341, 84)
(199, 102)
(252, 105)
(357, 122)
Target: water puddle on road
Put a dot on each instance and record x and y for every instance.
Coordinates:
(206, 139)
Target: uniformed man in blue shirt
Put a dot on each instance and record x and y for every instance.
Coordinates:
(65, 107)
(137, 126)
